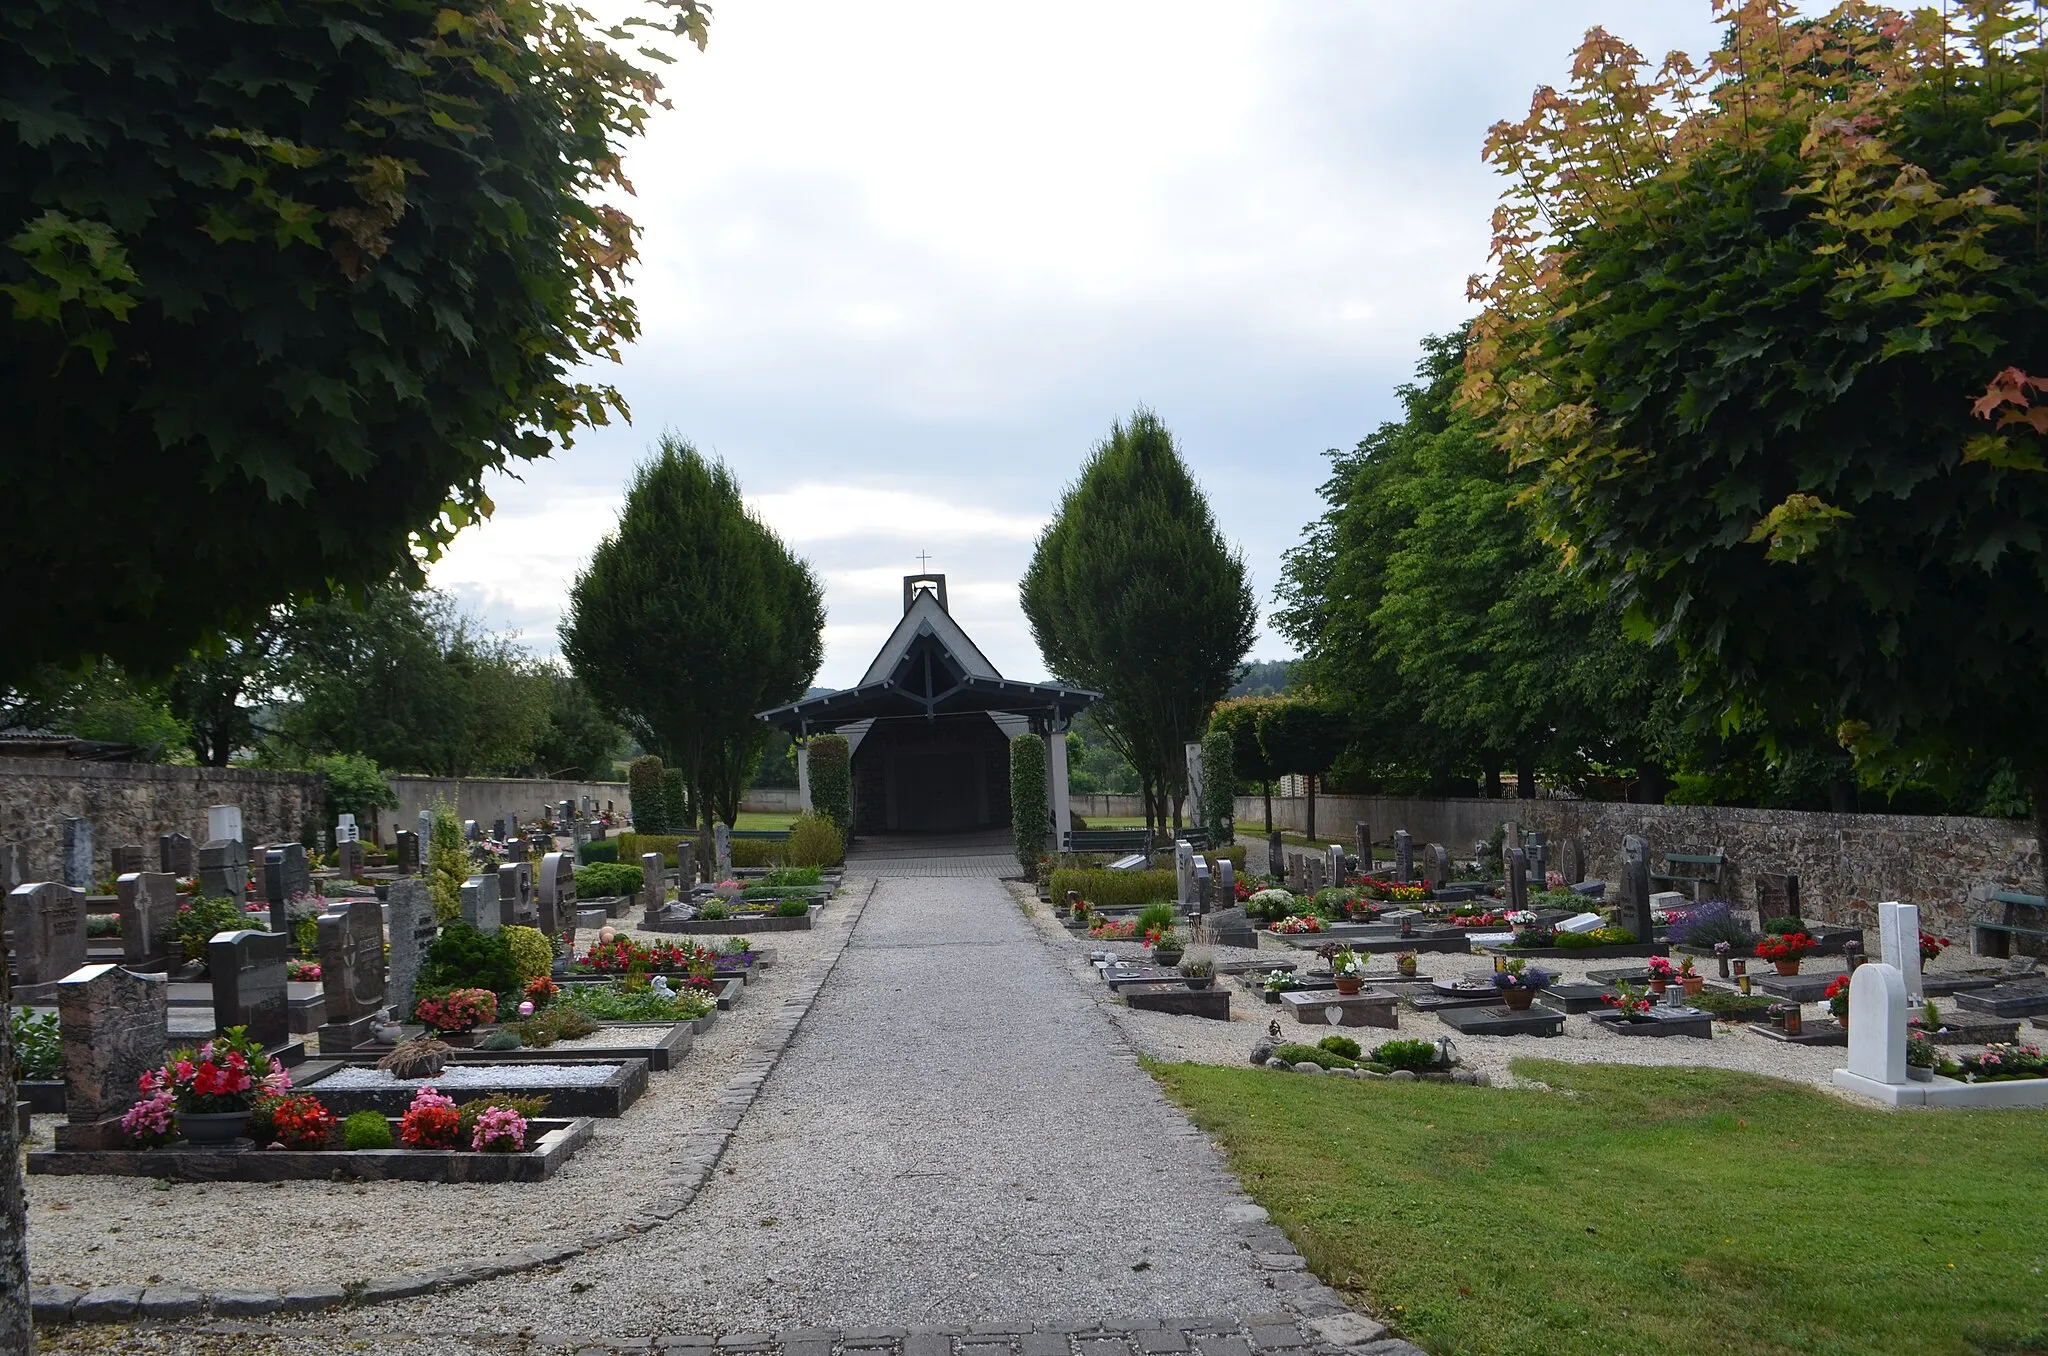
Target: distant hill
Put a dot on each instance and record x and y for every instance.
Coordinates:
(1264, 678)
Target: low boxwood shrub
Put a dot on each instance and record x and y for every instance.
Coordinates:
(1114, 889)
(1597, 937)
(1235, 852)
(1405, 1054)
(366, 1130)
(1316, 1054)
(792, 908)
(464, 958)
(602, 879)
(752, 852)
(1342, 1046)
(814, 841)
(598, 850)
(532, 953)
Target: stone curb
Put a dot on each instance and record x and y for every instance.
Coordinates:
(702, 1148)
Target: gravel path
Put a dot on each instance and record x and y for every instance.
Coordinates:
(955, 1134)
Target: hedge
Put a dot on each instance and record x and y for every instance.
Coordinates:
(830, 760)
(1028, 810)
(1219, 784)
(1235, 852)
(1113, 889)
(598, 850)
(650, 810)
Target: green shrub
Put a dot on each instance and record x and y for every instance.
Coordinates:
(504, 1038)
(1339, 1045)
(1735, 1005)
(1219, 786)
(196, 920)
(1597, 937)
(1779, 927)
(617, 1003)
(1029, 811)
(533, 955)
(556, 1022)
(1312, 1054)
(464, 958)
(632, 846)
(1114, 889)
(600, 880)
(645, 798)
(1159, 916)
(38, 1049)
(1235, 852)
(794, 876)
(753, 852)
(792, 908)
(447, 863)
(355, 785)
(598, 850)
(814, 841)
(830, 760)
(714, 909)
(1400, 1054)
(366, 1130)
(1270, 906)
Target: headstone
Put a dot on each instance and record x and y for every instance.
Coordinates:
(1479, 856)
(556, 887)
(148, 902)
(1404, 856)
(13, 867)
(249, 984)
(1183, 873)
(1226, 882)
(498, 829)
(1313, 867)
(1877, 1023)
(1539, 861)
(480, 903)
(515, 895)
(564, 812)
(111, 1023)
(515, 849)
(1203, 886)
(1436, 866)
(351, 973)
(1635, 887)
(1898, 930)
(1276, 854)
(46, 927)
(722, 834)
(686, 865)
(413, 928)
(470, 832)
(346, 830)
(426, 830)
(1777, 896)
(653, 885)
(1574, 859)
(1336, 863)
(128, 858)
(287, 876)
(224, 824)
(348, 858)
(1518, 880)
(224, 870)
(406, 847)
(1510, 838)
(1361, 833)
(78, 852)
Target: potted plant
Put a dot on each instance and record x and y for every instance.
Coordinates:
(205, 1092)
(455, 1015)
(1279, 982)
(1167, 949)
(1349, 968)
(1198, 972)
(1519, 982)
(1920, 1057)
(1837, 996)
(1628, 1000)
(1785, 949)
(1932, 946)
(1405, 963)
(1660, 974)
(1693, 983)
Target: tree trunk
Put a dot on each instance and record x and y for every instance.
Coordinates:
(17, 1332)
(1842, 796)
(1268, 785)
(1525, 777)
(1489, 764)
(2040, 780)
(1309, 783)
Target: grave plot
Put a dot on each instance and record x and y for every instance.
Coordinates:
(1178, 999)
(1501, 1021)
(1327, 1007)
(551, 1142)
(1887, 1065)
(570, 1090)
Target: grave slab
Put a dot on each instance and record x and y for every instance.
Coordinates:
(2018, 998)
(1700, 1025)
(1948, 985)
(1367, 1007)
(1499, 1021)
(1212, 1003)
(1810, 1033)
(553, 1142)
(1576, 998)
(569, 1095)
(1974, 1028)
(1800, 988)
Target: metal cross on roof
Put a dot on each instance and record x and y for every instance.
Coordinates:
(924, 559)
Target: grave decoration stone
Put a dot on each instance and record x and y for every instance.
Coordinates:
(1404, 856)
(1337, 864)
(148, 902)
(480, 903)
(348, 858)
(1635, 887)
(413, 929)
(1362, 835)
(1518, 880)
(128, 858)
(1276, 854)
(249, 984)
(46, 923)
(78, 852)
(111, 1023)
(1898, 929)
(1226, 882)
(224, 870)
(1581, 922)
(1436, 866)
(722, 834)
(406, 848)
(224, 822)
(351, 973)
(653, 885)
(515, 895)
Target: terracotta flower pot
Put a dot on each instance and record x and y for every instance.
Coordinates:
(1518, 1000)
(1658, 985)
(1349, 984)
(1694, 983)
(1788, 967)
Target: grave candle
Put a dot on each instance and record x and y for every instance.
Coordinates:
(1742, 983)
(1792, 1022)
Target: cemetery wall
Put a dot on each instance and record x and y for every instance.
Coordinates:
(1847, 864)
(484, 799)
(770, 800)
(136, 802)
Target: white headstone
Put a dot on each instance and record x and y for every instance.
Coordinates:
(722, 833)
(1580, 922)
(1877, 1023)
(1336, 863)
(345, 830)
(1184, 871)
(224, 824)
(1898, 929)
(1668, 901)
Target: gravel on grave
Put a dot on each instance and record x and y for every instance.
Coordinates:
(459, 1076)
(955, 1133)
(111, 1230)
(1204, 1041)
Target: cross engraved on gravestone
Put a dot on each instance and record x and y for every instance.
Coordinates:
(148, 900)
(111, 1023)
(413, 928)
(78, 852)
(46, 923)
(249, 984)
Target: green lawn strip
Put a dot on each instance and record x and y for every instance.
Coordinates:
(762, 819)
(1647, 1210)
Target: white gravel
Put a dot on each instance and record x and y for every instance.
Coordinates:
(243, 1235)
(457, 1076)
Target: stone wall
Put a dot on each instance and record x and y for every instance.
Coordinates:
(1847, 864)
(484, 799)
(135, 802)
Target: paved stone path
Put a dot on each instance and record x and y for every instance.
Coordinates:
(904, 855)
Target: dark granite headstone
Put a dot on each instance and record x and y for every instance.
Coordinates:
(78, 852)
(46, 927)
(351, 973)
(686, 864)
(1276, 857)
(498, 829)
(1404, 856)
(1777, 896)
(515, 895)
(1361, 834)
(111, 1023)
(224, 870)
(407, 849)
(348, 858)
(249, 984)
(1574, 862)
(174, 854)
(413, 928)
(653, 885)
(1635, 888)
(128, 858)
(148, 902)
(1436, 866)
(1518, 880)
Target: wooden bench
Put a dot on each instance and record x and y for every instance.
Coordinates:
(1691, 869)
(1109, 840)
(2000, 934)
(765, 835)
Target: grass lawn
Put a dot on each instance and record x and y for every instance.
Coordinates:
(750, 819)
(1650, 1210)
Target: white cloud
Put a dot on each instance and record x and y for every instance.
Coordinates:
(815, 511)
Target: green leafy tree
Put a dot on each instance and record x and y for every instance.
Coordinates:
(447, 862)
(1132, 592)
(831, 762)
(690, 618)
(294, 278)
(1219, 785)
(1739, 325)
(578, 739)
(100, 701)
(1302, 736)
(217, 691)
(355, 785)
(1239, 718)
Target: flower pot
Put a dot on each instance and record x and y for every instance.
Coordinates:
(1518, 1000)
(460, 1040)
(1408, 968)
(1918, 1074)
(1167, 956)
(1658, 985)
(1349, 984)
(212, 1127)
(1198, 981)
(1788, 967)
(1694, 983)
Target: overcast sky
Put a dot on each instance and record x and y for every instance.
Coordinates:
(903, 265)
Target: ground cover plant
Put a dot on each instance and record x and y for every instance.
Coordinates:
(1627, 1215)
